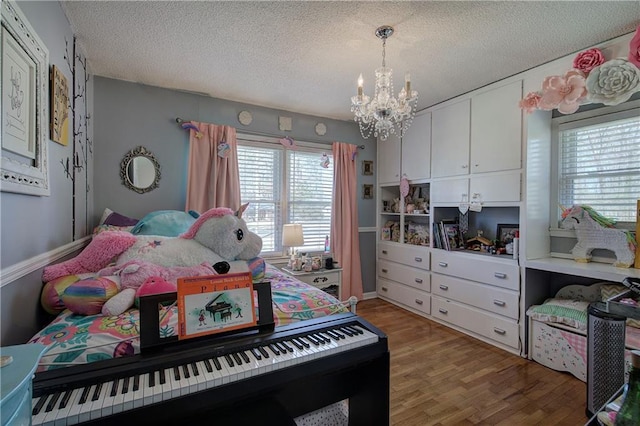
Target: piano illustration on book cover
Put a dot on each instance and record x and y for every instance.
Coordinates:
(214, 304)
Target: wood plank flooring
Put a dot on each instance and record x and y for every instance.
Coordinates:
(443, 377)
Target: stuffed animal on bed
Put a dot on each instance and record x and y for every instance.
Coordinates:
(135, 273)
(217, 235)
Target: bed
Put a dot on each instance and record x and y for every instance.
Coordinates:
(73, 338)
(558, 328)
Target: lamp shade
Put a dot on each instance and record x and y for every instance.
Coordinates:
(292, 235)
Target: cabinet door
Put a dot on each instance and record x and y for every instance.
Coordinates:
(504, 187)
(496, 129)
(450, 191)
(450, 127)
(389, 160)
(416, 148)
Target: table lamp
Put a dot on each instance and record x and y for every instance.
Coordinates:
(292, 236)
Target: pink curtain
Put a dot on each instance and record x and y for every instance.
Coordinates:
(212, 181)
(345, 241)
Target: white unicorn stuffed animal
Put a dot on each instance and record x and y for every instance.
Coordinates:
(595, 231)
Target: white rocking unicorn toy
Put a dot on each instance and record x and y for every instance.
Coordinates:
(595, 231)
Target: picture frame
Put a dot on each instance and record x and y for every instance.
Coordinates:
(506, 233)
(367, 167)
(59, 114)
(367, 191)
(24, 121)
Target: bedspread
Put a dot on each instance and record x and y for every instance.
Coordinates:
(77, 339)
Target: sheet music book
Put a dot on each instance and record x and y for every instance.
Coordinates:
(214, 304)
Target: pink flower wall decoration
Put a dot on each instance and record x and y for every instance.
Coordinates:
(588, 60)
(563, 92)
(530, 102)
(634, 49)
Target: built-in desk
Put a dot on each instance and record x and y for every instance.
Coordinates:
(542, 278)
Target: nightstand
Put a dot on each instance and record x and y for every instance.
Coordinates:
(327, 280)
(15, 382)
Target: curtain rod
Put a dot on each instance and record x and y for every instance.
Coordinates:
(180, 121)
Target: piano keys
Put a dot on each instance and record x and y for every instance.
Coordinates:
(300, 367)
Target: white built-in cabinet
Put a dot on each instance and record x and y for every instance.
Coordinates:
(450, 128)
(416, 148)
(474, 147)
(389, 152)
(496, 129)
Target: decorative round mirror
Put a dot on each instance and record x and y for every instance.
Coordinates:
(139, 170)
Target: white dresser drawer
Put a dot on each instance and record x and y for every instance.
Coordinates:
(323, 278)
(494, 299)
(414, 298)
(416, 256)
(413, 277)
(484, 269)
(491, 326)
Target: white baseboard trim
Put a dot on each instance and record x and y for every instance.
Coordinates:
(370, 295)
(19, 270)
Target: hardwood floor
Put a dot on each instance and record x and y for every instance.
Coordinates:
(443, 377)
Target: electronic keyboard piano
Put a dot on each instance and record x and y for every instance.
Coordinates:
(263, 379)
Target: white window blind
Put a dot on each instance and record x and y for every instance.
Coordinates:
(310, 197)
(285, 186)
(600, 166)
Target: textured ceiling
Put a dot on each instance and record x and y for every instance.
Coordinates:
(305, 56)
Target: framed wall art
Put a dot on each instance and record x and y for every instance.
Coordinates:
(367, 191)
(25, 69)
(367, 167)
(59, 114)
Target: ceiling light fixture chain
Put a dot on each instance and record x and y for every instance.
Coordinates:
(383, 114)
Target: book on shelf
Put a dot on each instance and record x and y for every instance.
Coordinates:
(447, 235)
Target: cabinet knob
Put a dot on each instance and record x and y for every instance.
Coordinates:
(384, 270)
(418, 280)
(499, 331)
(464, 166)
(443, 311)
(499, 302)
(443, 264)
(417, 259)
(476, 165)
(384, 252)
(419, 302)
(444, 287)
(500, 275)
(384, 288)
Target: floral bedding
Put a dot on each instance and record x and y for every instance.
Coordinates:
(78, 339)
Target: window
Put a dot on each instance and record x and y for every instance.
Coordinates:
(599, 164)
(285, 186)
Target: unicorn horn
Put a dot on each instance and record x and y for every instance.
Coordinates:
(563, 208)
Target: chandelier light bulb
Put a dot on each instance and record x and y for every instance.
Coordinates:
(383, 114)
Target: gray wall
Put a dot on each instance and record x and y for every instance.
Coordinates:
(30, 225)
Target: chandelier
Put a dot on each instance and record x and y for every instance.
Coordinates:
(384, 114)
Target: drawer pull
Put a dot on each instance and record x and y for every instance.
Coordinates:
(443, 311)
(418, 280)
(417, 259)
(384, 252)
(384, 288)
(321, 280)
(444, 287)
(501, 275)
(419, 302)
(499, 302)
(499, 331)
(384, 270)
(443, 264)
